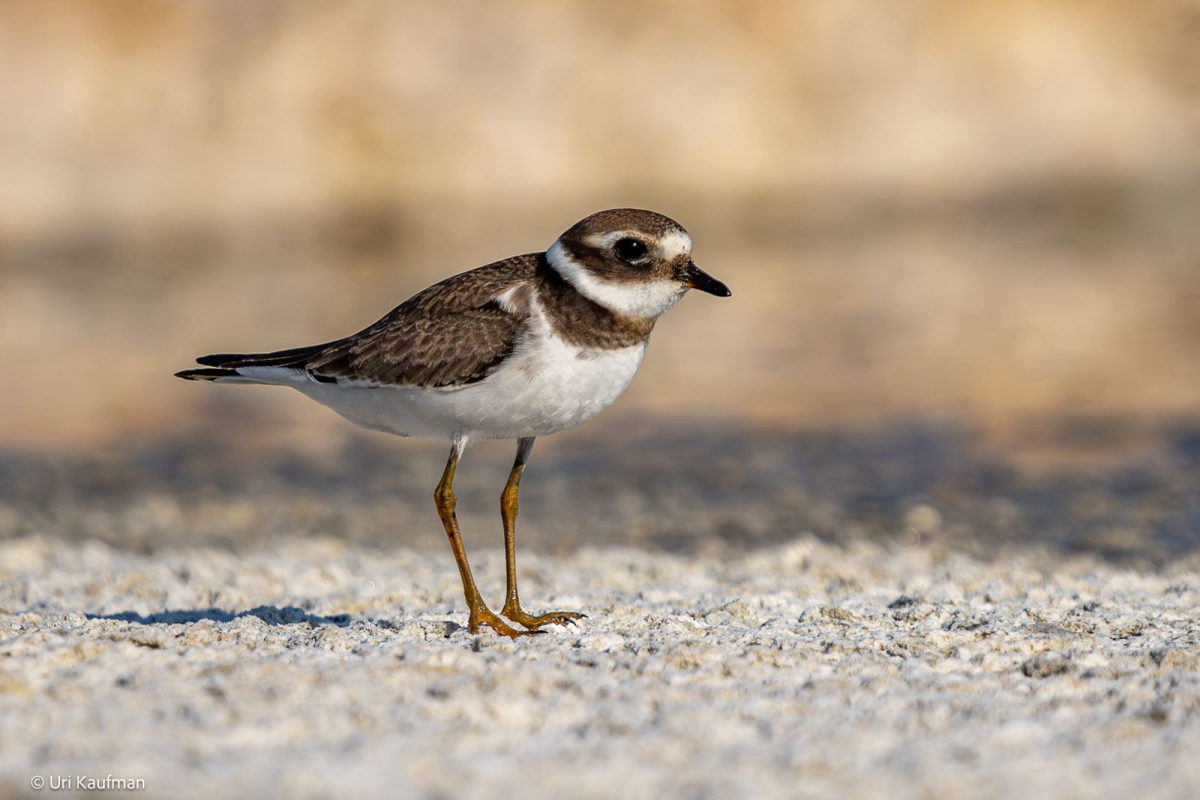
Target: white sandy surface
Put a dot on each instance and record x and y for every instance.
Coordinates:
(806, 670)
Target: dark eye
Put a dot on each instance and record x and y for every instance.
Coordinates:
(630, 249)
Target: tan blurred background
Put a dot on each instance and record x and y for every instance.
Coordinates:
(985, 214)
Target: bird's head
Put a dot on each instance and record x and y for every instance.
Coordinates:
(630, 261)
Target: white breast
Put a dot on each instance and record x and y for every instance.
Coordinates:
(548, 388)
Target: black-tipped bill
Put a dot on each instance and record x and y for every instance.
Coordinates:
(696, 278)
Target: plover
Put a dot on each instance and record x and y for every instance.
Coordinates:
(525, 347)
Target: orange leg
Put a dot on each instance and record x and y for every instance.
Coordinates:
(480, 613)
(508, 513)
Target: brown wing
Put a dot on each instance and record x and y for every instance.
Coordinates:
(452, 334)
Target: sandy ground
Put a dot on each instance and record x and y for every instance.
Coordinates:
(315, 668)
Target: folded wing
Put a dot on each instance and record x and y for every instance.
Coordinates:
(453, 334)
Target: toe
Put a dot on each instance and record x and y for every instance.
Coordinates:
(498, 625)
(534, 622)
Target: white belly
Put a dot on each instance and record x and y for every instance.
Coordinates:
(545, 387)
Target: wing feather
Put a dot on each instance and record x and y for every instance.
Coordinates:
(453, 334)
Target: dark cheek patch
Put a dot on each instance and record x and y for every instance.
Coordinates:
(595, 262)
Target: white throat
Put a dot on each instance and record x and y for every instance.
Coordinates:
(642, 299)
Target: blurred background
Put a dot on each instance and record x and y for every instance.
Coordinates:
(962, 238)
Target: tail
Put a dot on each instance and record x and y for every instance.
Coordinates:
(211, 375)
(279, 367)
(267, 376)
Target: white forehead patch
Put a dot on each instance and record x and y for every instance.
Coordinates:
(635, 299)
(675, 244)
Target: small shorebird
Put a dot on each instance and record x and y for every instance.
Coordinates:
(521, 348)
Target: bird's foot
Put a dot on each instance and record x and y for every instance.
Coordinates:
(482, 615)
(533, 622)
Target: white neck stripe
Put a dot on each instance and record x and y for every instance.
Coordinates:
(639, 299)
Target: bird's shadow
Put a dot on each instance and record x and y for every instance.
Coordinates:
(272, 615)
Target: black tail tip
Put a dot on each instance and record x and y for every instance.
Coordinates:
(204, 374)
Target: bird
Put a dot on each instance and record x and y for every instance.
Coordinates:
(525, 347)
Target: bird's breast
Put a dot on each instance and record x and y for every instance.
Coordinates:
(550, 385)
